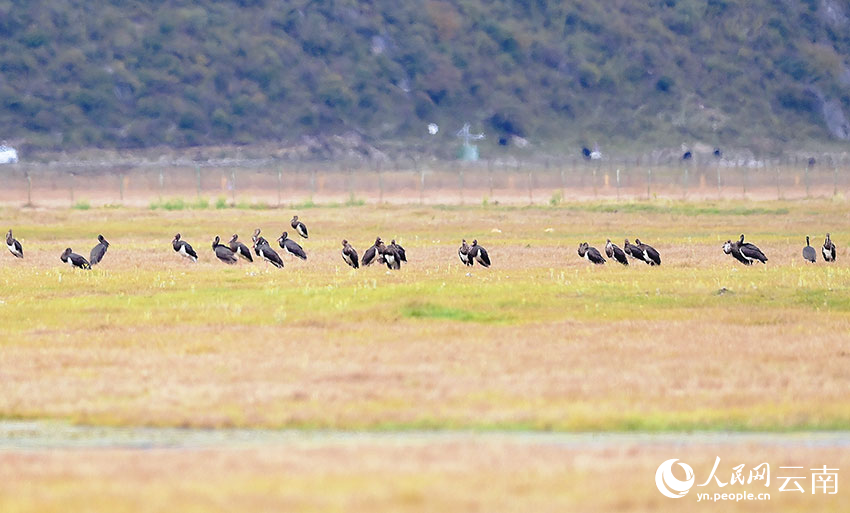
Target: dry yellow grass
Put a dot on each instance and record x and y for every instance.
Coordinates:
(540, 341)
(456, 475)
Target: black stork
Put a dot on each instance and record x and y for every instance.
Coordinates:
(239, 248)
(222, 252)
(184, 249)
(613, 251)
(99, 251)
(74, 260)
(291, 247)
(14, 246)
(349, 254)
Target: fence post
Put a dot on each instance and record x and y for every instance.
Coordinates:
(418, 170)
(745, 180)
(312, 182)
(530, 182)
(563, 181)
(460, 182)
(719, 186)
(198, 181)
(350, 173)
(71, 188)
(594, 179)
(807, 180)
(233, 186)
(618, 184)
(161, 182)
(380, 182)
(687, 180)
(648, 183)
(422, 186)
(121, 187)
(490, 176)
(29, 187)
(279, 184)
(834, 179)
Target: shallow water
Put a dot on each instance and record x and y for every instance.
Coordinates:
(43, 434)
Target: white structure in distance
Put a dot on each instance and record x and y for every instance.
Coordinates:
(8, 155)
(433, 128)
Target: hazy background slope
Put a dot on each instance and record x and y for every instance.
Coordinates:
(128, 74)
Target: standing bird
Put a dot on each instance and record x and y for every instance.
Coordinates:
(240, 249)
(613, 251)
(633, 251)
(349, 254)
(731, 248)
(184, 249)
(750, 251)
(479, 254)
(74, 260)
(400, 250)
(389, 255)
(650, 255)
(463, 253)
(16, 249)
(291, 247)
(298, 226)
(591, 254)
(371, 253)
(222, 252)
(265, 251)
(744, 253)
(809, 253)
(828, 249)
(99, 251)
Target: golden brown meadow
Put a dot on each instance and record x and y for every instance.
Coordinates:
(542, 340)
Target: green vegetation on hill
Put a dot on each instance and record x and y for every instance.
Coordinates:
(131, 74)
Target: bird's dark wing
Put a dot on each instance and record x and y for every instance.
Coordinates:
(189, 250)
(369, 255)
(243, 249)
(79, 261)
(482, 257)
(96, 254)
(352, 255)
(595, 256)
(752, 251)
(225, 255)
(620, 256)
(271, 255)
(653, 254)
(295, 249)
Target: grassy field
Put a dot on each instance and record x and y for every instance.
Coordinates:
(458, 475)
(540, 341)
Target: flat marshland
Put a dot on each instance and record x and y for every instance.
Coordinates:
(541, 341)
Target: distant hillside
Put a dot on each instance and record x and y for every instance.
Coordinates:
(129, 74)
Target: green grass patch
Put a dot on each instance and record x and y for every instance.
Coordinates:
(445, 313)
(82, 205)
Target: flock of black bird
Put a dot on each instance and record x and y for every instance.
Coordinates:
(393, 255)
(741, 251)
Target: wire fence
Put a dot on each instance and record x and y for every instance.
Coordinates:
(266, 183)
